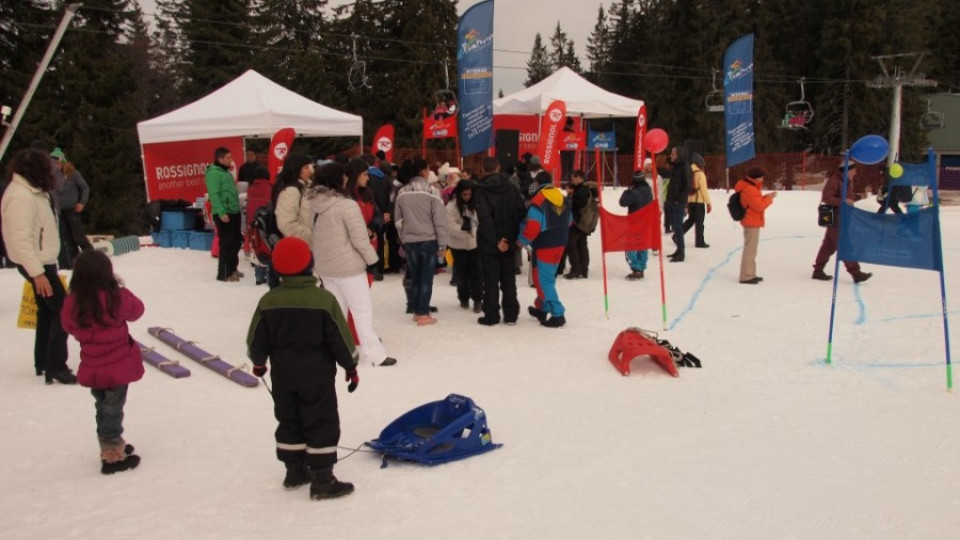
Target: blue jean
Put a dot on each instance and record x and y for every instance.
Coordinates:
(637, 260)
(421, 263)
(109, 404)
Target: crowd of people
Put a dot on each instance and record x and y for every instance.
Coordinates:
(342, 224)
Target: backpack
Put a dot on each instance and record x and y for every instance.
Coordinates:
(589, 216)
(737, 211)
(263, 233)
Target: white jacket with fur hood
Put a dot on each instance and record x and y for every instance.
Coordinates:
(340, 245)
(30, 229)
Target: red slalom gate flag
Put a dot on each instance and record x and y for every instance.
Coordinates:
(279, 148)
(640, 134)
(383, 141)
(634, 232)
(549, 147)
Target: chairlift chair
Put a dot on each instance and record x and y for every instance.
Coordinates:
(931, 119)
(798, 113)
(714, 99)
(447, 96)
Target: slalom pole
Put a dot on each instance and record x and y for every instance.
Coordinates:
(603, 253)
(659, 237)
(836, 262)
(931, 160)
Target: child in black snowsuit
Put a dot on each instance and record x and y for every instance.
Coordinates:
(301, 329)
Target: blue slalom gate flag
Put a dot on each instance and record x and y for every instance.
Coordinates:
(908, 241)
(738, 101)
(475, 78)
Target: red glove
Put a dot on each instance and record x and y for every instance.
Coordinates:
(260, 371)
(353, 378)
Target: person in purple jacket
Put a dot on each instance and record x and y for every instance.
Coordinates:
(96, 313)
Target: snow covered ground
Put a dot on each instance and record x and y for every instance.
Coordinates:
(766, 441)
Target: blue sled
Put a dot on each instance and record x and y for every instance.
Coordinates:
(437, 432)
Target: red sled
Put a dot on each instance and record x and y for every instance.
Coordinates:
(634, 342)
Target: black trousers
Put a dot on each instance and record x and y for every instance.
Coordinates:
(50, 345)
(696, 212)
(676, 222)
(499, 278)
(578, 252)
(308, 424)
(73, 238)
(231, 240)
(466, 274)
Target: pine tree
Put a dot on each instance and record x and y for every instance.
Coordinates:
(598, 46)
(216, 35)
(570, 58)
(539, 66)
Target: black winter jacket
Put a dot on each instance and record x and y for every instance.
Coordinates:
(301, 329)
(638, 196)
(500, 210)
(681, 178)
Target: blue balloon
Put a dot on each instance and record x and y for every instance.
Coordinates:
(870, 149)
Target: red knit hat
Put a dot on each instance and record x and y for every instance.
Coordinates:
(291, 256)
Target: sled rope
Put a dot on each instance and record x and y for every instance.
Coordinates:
(167, 363)
(206, 359)
(241, 367)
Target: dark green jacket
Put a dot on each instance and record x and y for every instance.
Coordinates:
(301, 329)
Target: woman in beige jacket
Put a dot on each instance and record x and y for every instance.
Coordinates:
(698, 202)
(31, 233)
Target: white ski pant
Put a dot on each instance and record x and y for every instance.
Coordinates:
(353, 295)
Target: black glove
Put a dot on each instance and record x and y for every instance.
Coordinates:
(353, 379)
(372, 268)
(260, 371)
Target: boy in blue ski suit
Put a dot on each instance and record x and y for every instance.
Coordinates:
(546, 229)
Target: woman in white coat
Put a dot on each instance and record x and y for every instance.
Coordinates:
(342, 253)
(32, 238)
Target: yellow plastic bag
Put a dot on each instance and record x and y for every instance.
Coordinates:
(28, 305)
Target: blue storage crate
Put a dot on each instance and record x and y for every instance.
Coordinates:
(177, 221)
(180, 239)
(162, 238)
(201, 240)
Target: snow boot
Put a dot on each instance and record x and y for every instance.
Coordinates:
(296, 475)
(115, 459)
(64, 376)
(821, 275)
(635, 275)
(860, 277)
(538, 314)
(554, 322)
(324, 485)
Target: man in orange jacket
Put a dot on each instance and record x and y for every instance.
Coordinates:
(755, 203)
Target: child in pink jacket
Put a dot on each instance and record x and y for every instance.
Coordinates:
(96, 313)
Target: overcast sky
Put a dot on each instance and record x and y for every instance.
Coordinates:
(516, 22)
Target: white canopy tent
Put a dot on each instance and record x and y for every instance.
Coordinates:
(249, 106)
(582, 98)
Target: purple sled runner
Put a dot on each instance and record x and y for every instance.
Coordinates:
(161, 362)
(211, 361)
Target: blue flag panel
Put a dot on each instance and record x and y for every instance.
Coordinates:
(475, 78)
(738, 101)
(909, 240)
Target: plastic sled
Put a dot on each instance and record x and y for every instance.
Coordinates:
(437, 432)
(634, 342)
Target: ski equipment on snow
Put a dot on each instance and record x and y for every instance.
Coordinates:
(212, 361)
(161, 362)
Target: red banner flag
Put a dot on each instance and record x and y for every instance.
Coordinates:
(641, 133)
(634, 232)
(549, 148)
(383, 141)
(279, 147)
(176, 170)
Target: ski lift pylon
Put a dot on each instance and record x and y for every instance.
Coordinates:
(799, 113)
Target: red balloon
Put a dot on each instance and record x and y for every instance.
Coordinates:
(656, 140)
